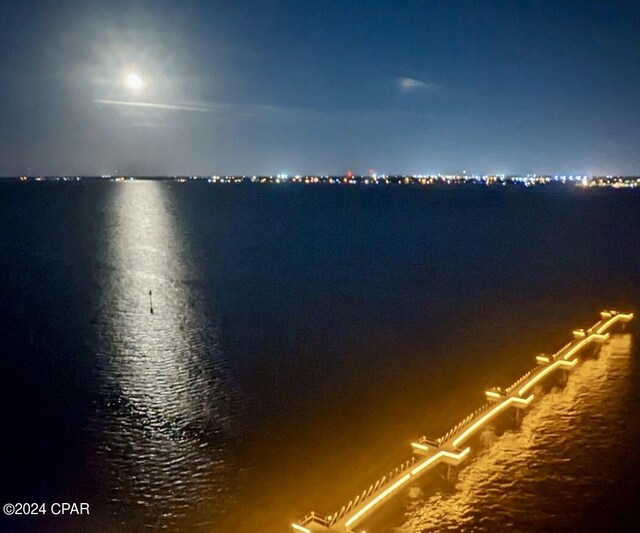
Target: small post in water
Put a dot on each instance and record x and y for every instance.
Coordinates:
(150, 303)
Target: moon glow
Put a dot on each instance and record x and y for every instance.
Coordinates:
(134, 81)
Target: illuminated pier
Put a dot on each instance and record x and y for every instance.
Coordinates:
(451, 449)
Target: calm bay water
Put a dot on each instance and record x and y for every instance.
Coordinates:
(300, 338)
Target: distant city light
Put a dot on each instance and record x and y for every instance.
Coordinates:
(578, 182)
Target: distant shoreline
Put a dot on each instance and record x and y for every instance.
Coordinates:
(581, 182)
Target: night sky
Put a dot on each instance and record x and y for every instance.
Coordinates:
(261, 87)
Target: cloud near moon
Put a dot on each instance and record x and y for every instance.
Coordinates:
(408, 84)
(152, 105)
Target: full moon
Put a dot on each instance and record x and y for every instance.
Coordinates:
(134, 81)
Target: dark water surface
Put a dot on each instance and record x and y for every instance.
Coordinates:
(300, 338)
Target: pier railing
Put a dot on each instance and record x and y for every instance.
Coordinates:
(464, 422)
(378, 485)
